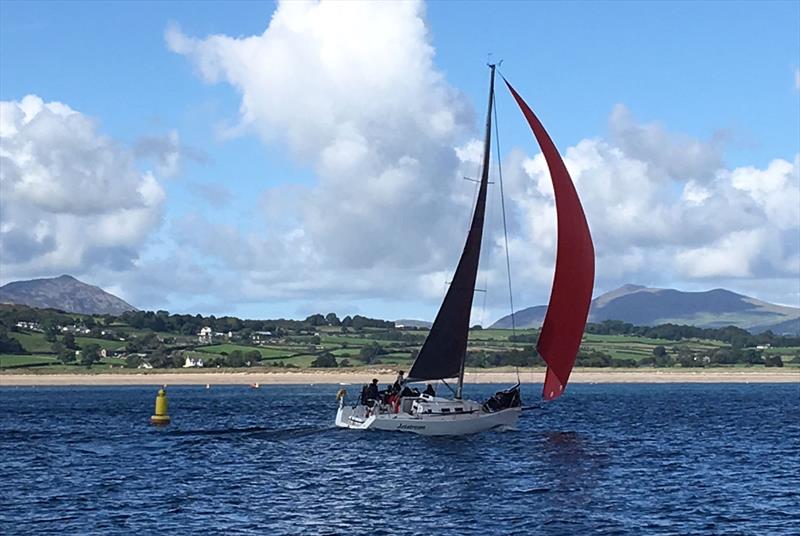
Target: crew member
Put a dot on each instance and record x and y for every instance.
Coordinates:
(398, 383)
(373, 394)
(429, 390)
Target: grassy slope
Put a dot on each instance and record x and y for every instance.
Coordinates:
(102, 343)
(32, 342)
(398, 352)
(625, 347)
(496, 334)
(13, 361)
(36, 343)
(266, 352)
(10, 360)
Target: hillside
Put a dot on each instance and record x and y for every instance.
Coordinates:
(422, 324)
(65, 293)
(645, 306)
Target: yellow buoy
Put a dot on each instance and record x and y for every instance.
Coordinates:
(161, 416)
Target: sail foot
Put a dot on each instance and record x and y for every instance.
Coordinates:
(553, 385)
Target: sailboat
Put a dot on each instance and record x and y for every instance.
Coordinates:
(443, 354)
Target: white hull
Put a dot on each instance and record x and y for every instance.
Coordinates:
(424, 419)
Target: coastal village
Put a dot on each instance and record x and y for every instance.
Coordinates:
(41, 340)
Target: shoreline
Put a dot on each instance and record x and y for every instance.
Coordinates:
(385, 376)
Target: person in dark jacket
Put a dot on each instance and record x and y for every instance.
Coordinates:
(429, 390)
(407, 391)
(399, 382)
(373, 393)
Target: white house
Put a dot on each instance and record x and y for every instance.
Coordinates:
(191, 362)
(260, 336)
(205, 335)
(75, 329)
(33, 326)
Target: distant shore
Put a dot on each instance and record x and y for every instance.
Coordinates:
(502, 376)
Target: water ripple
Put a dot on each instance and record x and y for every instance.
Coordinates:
(606, 459)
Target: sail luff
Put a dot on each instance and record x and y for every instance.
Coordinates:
(443, 353)
(573, 282)
(478, 219)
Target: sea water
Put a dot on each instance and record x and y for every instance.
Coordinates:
(604, 459)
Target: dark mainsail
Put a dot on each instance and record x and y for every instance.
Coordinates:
(565, 320)
(443, 353)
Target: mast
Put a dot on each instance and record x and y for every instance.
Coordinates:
(444, 352)
(487, 149)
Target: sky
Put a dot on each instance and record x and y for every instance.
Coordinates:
(281, 159)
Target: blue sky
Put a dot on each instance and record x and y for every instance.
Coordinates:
(717, 77)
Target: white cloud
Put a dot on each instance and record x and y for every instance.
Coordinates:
(694, 193)
(668, 155)
(729, 256)
(71, 198)
(352, 90)
(657, 221)
(167, 153)
(775, 190)
(164, 150)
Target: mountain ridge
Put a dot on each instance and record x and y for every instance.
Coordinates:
(65, 293)
(640, 305)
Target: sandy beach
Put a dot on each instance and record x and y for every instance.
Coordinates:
(385, 376)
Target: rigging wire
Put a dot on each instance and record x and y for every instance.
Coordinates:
(491, 203)
(505, 225)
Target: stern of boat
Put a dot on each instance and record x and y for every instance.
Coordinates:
(353, 417)
(343, 415)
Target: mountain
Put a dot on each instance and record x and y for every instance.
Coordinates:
(413, 323)
(645, 306)
(65, 293)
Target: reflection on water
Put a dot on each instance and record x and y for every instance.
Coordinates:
(624, 459)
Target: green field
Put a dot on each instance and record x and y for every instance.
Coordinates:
(102, 343)
(32, 342)
(301, 361)
(349, 339)
(36, 343)
(396, 358)
(349, 353)
(11, 361)
(630, 347)
(786, 351)
(497, 334)
(396, 348)
(266, 352)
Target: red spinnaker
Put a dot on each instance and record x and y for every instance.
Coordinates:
(573, 283)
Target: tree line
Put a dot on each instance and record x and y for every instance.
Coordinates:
(736, 337)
